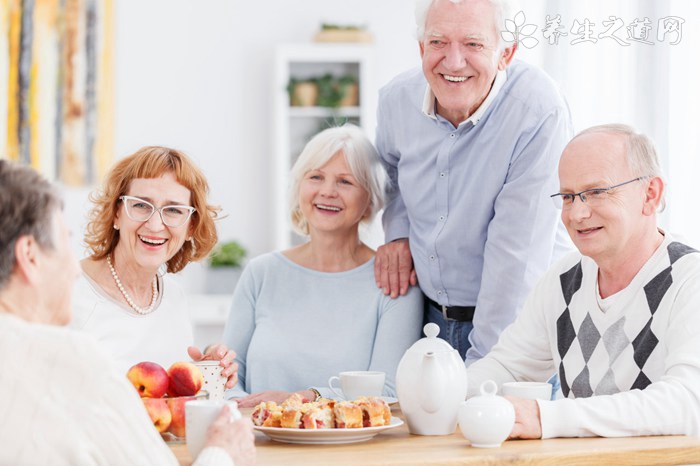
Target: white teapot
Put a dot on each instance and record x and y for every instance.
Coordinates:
(431, 383)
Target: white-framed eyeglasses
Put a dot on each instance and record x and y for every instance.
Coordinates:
(139, 210)
(590, 196)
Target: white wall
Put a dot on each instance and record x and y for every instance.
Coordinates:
(197, 75)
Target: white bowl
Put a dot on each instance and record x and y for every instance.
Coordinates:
(486, 420)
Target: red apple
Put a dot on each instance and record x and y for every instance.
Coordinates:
(149, 379)
(159, 413)
(185, 379)
(177, 410)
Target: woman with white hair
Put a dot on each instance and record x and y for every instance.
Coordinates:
(304, 314)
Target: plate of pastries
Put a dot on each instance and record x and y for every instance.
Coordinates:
(324, 421)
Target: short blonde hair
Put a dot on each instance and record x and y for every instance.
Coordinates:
(153, 162)
(361, 156)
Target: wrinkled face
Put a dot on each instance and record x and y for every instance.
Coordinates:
(59, 269)
(461, 55)
(331, 199)
(607, 230)
(150, 244)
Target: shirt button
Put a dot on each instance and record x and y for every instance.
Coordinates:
(432, 258)
(452, 135)
(442, 217)
(439, 293)
(442, 175)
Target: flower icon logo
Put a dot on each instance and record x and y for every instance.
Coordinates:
(519, 32)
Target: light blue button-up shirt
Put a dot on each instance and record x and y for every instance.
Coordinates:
(474, 200)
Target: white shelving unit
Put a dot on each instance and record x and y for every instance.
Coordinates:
(294, 126)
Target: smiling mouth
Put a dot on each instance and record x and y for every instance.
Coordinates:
(152, 242)
(589, 230)
(328, 208)
(455, 79)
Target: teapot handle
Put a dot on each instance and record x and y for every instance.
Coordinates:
(431, 392)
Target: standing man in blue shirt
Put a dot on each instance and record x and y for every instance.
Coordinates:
(471, 144)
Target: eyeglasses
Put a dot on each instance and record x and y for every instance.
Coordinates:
(139, 210)
(590, 196)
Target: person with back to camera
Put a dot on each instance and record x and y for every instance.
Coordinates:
(64, 402)
(471, 144)
(151, 218)
(304, 314)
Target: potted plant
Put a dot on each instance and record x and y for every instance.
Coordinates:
(349, 89)
(225, 265)
(302, 92)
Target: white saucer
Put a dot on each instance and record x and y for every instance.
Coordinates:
(390, 400)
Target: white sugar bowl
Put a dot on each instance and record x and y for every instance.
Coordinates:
(486, 420)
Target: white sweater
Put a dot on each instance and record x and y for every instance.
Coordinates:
(161, 336)
(64, 403)
(629, 365)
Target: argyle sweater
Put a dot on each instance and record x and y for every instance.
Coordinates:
(633, 369)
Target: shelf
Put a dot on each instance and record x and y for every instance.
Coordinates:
(295, 125)
(323, 112)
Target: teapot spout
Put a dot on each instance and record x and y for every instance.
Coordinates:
(431, 390)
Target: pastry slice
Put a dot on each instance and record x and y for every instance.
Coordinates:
(347, 415)
(375, 411)
(262, 412)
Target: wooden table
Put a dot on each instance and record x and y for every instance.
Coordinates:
(398, 447)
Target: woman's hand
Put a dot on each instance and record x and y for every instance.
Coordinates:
(222, 354)
(235, 437)
(278, 397)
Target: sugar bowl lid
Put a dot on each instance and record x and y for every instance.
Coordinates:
(488, 397)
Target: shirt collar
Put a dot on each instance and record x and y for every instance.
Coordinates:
(429, 101)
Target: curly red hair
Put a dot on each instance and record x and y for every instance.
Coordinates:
(153, 162)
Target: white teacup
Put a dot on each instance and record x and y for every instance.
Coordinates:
(199, 414)
(358, 383)
(528, 390)
(214, 383)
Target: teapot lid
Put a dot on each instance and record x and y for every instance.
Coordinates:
(431, 342)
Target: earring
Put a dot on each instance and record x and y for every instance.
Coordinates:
(116, 227)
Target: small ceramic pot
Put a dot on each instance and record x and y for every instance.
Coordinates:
(488, 419)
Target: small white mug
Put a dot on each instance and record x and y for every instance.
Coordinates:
(199, 414)
(358, 383)
(528, 390)
(214, 382)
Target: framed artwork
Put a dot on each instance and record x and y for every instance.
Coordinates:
(56, 87)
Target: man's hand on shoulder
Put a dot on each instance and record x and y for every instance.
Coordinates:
(393, 268)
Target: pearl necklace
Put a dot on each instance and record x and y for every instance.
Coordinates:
(138, 309)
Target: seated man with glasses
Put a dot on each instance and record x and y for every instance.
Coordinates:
(124, 296)
(618, 319)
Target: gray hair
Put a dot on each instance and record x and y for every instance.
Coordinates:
(361, 156)
(502, 9)
(642, 157)
(28, 203)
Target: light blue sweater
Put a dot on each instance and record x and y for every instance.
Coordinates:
(292, 327)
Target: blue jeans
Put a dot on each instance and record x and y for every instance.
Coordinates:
(453, 332)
